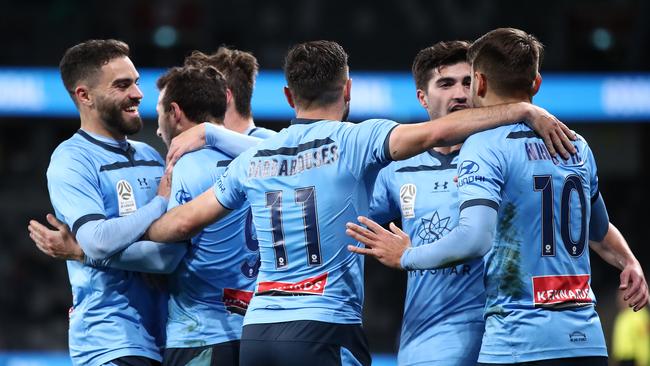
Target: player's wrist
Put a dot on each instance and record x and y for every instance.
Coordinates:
(404, 259)
(526, 112)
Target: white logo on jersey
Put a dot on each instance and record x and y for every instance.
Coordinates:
(125, 199)
(407, 200)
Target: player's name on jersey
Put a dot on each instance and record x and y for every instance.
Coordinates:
(459, 270)
(291, 161)
(538, 151)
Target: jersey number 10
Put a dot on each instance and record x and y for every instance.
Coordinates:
(544, 184)
(306, 197)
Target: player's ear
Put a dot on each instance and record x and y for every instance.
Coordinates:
(289, 96)
(422, 98)
(536, 84)
(347, 90)
(228, 96)
(481, 84)
(176, 112)
(82, 95)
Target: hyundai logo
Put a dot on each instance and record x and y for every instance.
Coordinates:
(467, 167)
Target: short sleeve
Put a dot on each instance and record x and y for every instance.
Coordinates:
(228, 187)
(382, 206)
(480, 173)
(74, 190)
(366, 144)
(593, 175)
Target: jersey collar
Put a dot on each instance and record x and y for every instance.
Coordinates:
(128, 152)
(444, 159)
(304, 121)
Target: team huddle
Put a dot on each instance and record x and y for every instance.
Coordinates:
(246, 246)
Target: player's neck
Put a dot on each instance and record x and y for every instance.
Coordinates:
(332, 113)
(446, 150)
(491, 99)
(236, 122)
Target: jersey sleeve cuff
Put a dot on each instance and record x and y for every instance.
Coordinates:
(214, 191)
(387, 156)
(84, 219)
(479, 202)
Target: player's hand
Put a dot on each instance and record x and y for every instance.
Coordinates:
(189, 140)
(556, 135)
(634, 286)
(386, 246)
(59, 243)
(165, 185)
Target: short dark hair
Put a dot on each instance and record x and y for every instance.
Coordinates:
(83, 61)
(199, 91)
(510, 58)
(240, 69)
(316, 72)
(433, 57)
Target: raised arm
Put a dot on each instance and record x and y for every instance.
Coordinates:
(208, 134)
(410, 139)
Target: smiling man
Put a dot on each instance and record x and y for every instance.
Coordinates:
(106, 189)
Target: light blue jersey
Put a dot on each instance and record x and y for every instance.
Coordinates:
(212, 286)
(114, 313)
(443, 311)
(304, 185)
(539, 300)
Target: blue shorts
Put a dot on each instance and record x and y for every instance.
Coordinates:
(574, 361)
(304, 342)
(132, 361)
(221, 354)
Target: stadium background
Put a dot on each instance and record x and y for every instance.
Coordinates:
(597, 65)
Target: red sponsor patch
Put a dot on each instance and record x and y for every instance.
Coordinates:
(561, 290)
(236, 301)
(310, 286)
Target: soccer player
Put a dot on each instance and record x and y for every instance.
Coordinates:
(105, 188)
(443, 310)
(540, 307)
(240, 69)
(303, 184)
(211, 287)
(210, 290)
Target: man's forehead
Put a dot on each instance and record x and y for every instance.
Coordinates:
(119, 68)
(457, 70)
(161, 94)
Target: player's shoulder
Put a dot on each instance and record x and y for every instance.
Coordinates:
(200, 159)
(498, 136)
(376, 123)
(72, 157)
(261, 132)
(581, 143)
(73, 150)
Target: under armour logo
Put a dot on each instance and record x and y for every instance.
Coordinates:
(436, 185)
(143, 182)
